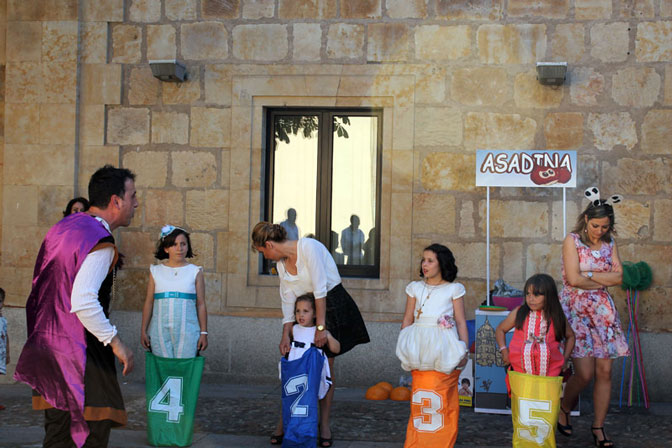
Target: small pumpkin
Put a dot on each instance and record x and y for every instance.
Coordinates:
(385, 385)
(400, 394)
(377, 393)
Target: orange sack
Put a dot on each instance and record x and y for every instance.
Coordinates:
(434, 410)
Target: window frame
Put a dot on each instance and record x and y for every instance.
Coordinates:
(325, 152)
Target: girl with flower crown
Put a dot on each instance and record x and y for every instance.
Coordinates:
(432, 344)
(174, 317)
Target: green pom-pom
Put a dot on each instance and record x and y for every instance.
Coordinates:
(631, 276)
(636, 276)
(645, 275)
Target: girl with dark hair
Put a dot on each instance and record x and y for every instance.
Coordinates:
(174, 317)
(309, 363)
(540, 326)
(590, 264)
(305, 265)
(76, 205)
(535, 351)
(432, 344)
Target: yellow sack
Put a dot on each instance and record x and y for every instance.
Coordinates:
(535, 401)
(434, 410)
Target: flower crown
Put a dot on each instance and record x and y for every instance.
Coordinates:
(593, 195)
(168, 229)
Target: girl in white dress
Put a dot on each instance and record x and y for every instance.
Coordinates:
(303, 335)
(175, 309)
(432, 344)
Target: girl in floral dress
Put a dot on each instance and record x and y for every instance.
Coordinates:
(591, 264)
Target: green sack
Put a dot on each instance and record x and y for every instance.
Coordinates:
(172, 387)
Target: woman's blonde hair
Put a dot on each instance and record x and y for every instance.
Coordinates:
(266, 231)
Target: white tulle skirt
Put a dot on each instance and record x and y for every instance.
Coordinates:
(426, 346)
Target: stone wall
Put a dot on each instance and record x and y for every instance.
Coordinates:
(451, 77)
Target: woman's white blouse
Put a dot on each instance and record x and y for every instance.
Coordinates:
(316, 273)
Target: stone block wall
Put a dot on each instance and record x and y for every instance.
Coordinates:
(451, 77)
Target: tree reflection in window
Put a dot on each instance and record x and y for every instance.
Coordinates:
(307, 125)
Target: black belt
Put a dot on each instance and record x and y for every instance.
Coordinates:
(302, 344)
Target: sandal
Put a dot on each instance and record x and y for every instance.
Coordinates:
(604, 443)
(565, 430)
(277, 439)
(325, 442)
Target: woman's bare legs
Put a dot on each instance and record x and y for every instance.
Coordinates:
(278, 428)
(325, 406)
(601, 394)
(584, 370)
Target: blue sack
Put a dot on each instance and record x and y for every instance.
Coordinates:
(300, 403)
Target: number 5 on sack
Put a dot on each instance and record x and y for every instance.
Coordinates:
(535, 401)
(534, 428)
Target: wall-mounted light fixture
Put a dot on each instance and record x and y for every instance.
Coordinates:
(169, 70)
(551, 73)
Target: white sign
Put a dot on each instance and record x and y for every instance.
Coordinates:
(530, 168)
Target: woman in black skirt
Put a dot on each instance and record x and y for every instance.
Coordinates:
(305, 265)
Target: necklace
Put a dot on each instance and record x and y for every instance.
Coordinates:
(430, 289)
(174, 269)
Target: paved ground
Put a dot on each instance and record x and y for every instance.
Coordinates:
(232, 415)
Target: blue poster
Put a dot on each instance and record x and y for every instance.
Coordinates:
(490, 393)
(530, 168)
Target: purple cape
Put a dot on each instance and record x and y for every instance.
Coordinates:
(54, 357)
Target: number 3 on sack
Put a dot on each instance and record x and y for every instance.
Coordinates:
(537, 429)
(430, 419)
(168, 399)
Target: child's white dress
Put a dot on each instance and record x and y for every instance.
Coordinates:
(302, 338)
(425, 345)
(174, 328)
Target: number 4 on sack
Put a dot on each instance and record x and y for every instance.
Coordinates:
(168, 399)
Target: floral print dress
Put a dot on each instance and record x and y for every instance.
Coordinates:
(592, 313)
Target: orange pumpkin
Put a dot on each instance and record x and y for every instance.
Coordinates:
(377, 393)
(385, 385)
(400, 394)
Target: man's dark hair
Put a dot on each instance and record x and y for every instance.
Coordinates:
(105, 182)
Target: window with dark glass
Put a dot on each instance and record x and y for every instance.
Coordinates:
(322, 180)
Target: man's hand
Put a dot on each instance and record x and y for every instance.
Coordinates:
(123, 353)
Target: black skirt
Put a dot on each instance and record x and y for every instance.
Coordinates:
(344, 321)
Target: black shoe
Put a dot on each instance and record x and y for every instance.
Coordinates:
(565, 430)
(277, 439)
(325, 442)
(604, 443)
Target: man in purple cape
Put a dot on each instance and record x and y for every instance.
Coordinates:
(68, 358)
